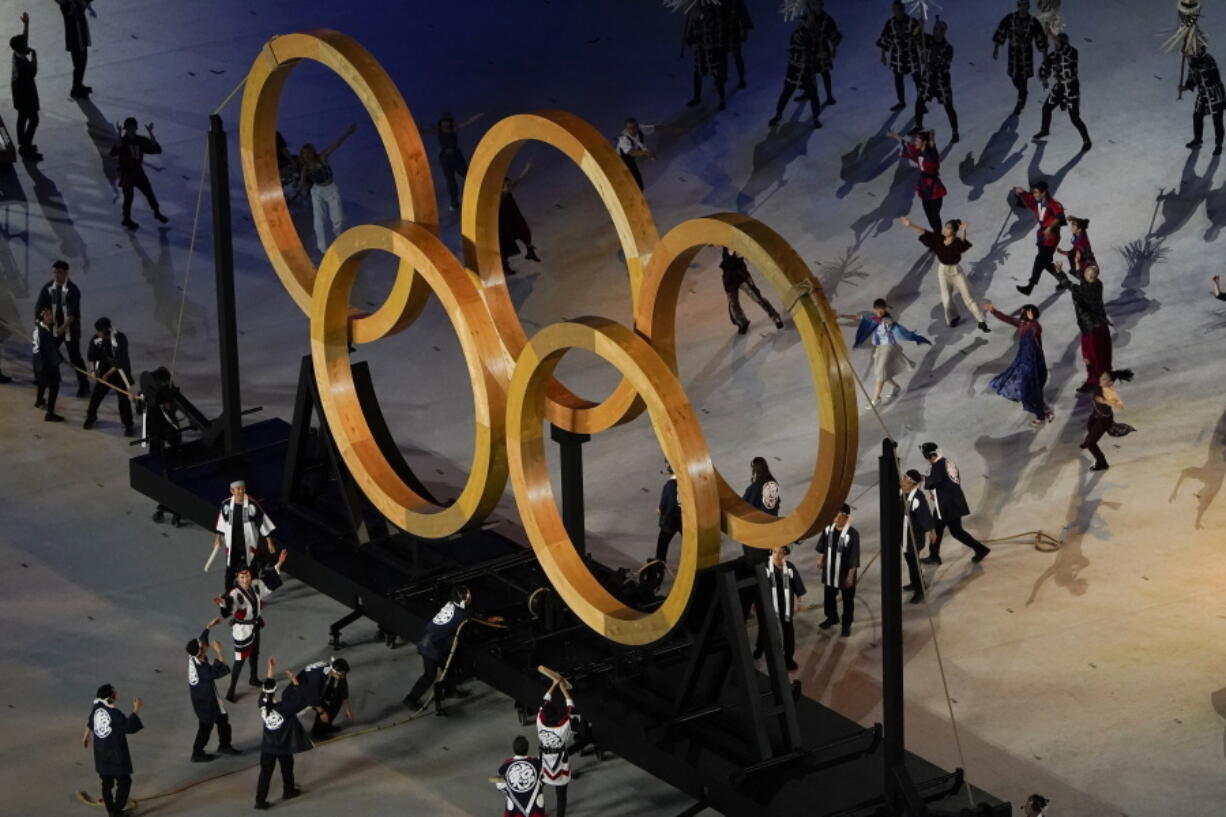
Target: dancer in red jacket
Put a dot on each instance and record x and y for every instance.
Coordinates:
(1050, 214)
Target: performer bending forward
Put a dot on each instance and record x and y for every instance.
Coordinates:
(949, 247)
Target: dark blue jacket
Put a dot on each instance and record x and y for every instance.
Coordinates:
(111, 729)
(670, 509)
(200, 678)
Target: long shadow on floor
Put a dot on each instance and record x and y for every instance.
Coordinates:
(55, 210)
(869, 159)
(771, 159)
(995, 162)
(1178, 206)
(1210, 475)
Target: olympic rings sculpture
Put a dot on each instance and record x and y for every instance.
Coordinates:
(514, 390)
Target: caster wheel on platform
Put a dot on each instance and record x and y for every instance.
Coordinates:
(158, 516)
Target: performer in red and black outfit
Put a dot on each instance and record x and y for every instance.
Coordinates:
(522, 782)
(936, 55)
(901, 38)
(923, 152)
(1050, 214)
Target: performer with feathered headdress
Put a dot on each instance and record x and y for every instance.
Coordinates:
(704, 33)
(1023, 33)
(900, 40)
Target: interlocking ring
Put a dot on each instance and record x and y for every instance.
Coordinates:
(514, 388)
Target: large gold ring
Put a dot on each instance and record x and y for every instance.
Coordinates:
(684, 447)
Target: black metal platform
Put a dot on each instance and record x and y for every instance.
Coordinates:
(633, 696)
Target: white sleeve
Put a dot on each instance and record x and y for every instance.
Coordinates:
(770, 495)
(266, 525)
(624, 145)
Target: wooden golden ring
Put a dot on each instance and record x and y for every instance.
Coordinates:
(833, 379)
(636, 230)
(680, 438)
(418, 248)
(401, 141)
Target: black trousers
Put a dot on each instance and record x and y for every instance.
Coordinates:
(1043, 260)
(429, 672)
(101, 390)
(205, 730)
(956, 531)
(806, 84)
(267, 763)
(331, 709)
(740, 67)
(736, 313)
(72, 345)
(1198, 126)
(634, 169)
(1021, 83)
(1074, 114)
(932, 209)
(79, 58)
(789, 639)
(1095, 430)
(48, 390)
(454, 164)
(831, 602)
(253, 660)
(916, 579)
(27, 123)
(115, 792)
(826, 82)
(900, 86)
(662, 542)
(560, 791)
(719, 86)
(141, 183)
(921, 108)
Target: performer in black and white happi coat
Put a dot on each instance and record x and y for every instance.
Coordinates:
(554, 728)
(110, 366)
(326, 689)
(244, 606)
(785, 586)
(917, 531)
(1023, 33)
(838, 560)
(799, 73)
(936, 57)
(704, 33)
(45, 356)
(201, 676)
(944, 486)
(240, 531)
(64, 298)
(283, 735)
(1204, 77)
(1060, 70)
(901, 39)
(826, 39)
(436, 646)
(522, 782)
(110, 729)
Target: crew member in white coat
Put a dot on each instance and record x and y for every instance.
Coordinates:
(240, 532)
(785, 586)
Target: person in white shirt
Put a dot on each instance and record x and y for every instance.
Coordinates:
(631, 147)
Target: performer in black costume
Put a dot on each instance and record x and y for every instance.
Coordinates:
(785, 586)
(704, 33)
(826, 39)
(917, 530)
(46, 359)
(326, 689)
(801, 53)
(449, 154)
(1023, 33)
(736, 24)
(283, 736)
(944, 487)
(522, 782)
(1203, 76)
(735, 273)
(241, 523)
(936, 57)
(201, 676)
(112, 760)
(25, 91)
(436, 645)
(670, 514)
(109, 364)
(64, 298)
(513, 228)
(901, 38)
(838, 560)
(1060, 69)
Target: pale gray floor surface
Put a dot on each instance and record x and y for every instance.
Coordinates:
(1090, 675)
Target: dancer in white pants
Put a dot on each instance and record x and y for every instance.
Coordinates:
(948, 247)
(325, 195)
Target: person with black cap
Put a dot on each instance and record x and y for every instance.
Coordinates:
(283, 736)
(64, 298)
(205, 702)
(785, 586)
(436, 646)
(917, 527)
(111, 370)
(110, 729)
(241, 523)
(326, 687)
(944, 487)
(670, 514)
(838, 560)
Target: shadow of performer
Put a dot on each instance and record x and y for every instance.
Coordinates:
(71, 245)
(995, 161)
